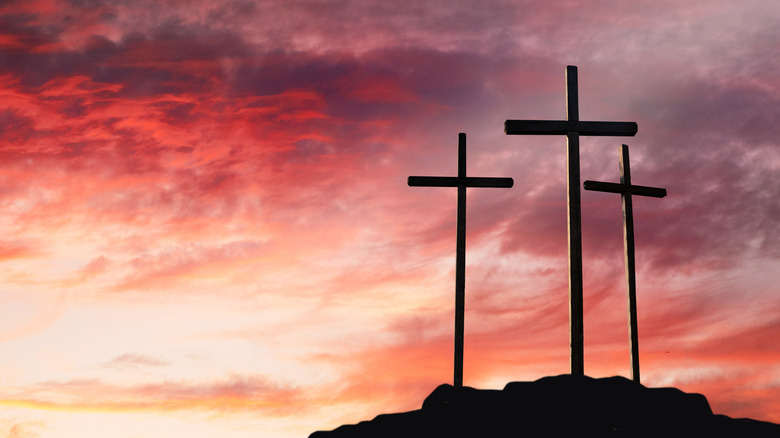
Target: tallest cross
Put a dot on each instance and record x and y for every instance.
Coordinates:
(572, 128)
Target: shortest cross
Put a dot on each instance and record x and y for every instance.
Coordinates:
(627, 190)
(461, 182)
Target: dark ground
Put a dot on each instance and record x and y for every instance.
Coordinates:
(563, 405)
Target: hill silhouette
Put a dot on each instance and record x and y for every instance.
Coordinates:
(557, 406)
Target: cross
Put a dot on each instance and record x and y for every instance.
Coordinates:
(626, 190)
(572, 128)
(461, 182)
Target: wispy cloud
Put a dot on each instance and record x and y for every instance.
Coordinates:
(235, 393)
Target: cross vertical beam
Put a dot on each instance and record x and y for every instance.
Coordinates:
(576, 329)
(572, 128)
(461, 182)
(626, 190)
(460, 266)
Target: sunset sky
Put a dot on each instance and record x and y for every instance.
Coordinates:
(207, 230)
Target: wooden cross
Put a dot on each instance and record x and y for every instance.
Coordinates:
(572, 128)
(461, 182)
(626, 190)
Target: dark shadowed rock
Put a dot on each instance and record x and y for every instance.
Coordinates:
(557, 406)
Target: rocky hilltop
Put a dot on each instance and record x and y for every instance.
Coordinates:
(557, 406)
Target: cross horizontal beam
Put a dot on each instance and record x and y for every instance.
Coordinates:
(454, 181)
(563, 127)
(600, 186)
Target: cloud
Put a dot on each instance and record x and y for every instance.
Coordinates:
(182, 263)
(22, 429)
(15, 250)
(131, 360)
(232, 394)
(15, 127)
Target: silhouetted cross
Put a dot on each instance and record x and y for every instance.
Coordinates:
(461, 182)
(572, 128)
(626, 190)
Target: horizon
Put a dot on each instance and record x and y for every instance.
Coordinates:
(208, 229)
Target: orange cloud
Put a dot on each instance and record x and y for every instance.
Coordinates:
(230, 395)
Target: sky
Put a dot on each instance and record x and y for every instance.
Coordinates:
(206, 229)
